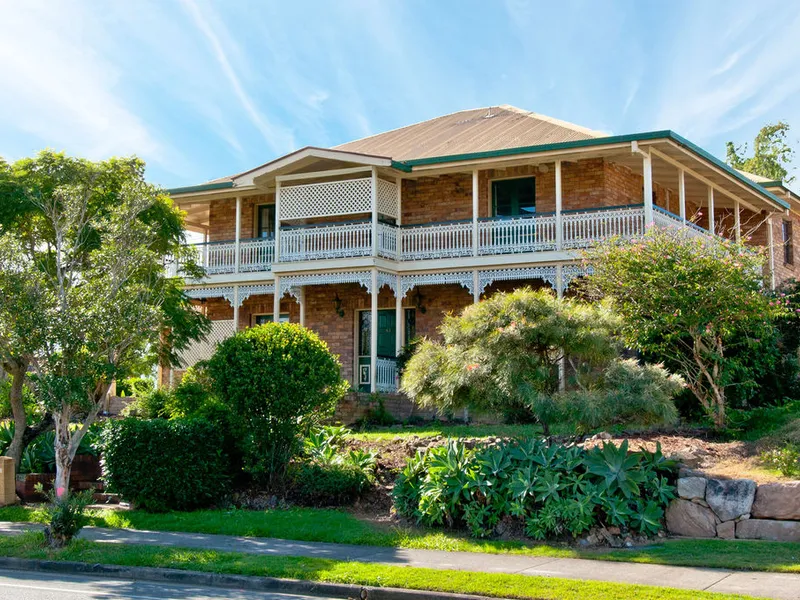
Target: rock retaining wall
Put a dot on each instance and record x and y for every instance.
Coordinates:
(735, 508)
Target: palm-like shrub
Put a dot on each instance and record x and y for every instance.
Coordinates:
(554, 490)
(279, 380)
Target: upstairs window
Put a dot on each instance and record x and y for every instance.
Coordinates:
(265, 221)
(514, 197)
(788, 243)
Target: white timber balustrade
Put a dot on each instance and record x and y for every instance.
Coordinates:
(584, 228)
(317, 242)
(388, 241)
(256, 255)
(523, 234)
(439, 240)
(218, 257)
(386, 379)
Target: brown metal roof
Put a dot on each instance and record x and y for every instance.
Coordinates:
(474, 130)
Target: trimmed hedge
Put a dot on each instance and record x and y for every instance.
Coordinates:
(161, 465)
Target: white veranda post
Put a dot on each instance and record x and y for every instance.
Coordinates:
(236, 308)
(276, 301)
(647, 172)
(562, 384)
(711, 225)
(682, 195)
(238, 240)
(771, 244)
(399, 325)
(302, 301)
(559, 225)
(475, 203)
(373, 334)
(737, 220)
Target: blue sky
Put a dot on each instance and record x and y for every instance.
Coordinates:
(204, 89)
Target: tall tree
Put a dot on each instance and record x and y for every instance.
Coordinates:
(772, 154)
(85, 293)
(696, 305)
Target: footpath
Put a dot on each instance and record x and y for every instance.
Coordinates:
(781, 586)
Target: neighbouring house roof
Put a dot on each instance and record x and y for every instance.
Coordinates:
(469, 131)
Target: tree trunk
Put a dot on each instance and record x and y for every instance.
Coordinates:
(64, 456)
(17, 370)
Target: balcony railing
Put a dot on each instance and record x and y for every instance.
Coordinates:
(521, 234)
(539, 233)
(334, 240)
(437, 240)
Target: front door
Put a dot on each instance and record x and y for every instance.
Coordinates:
(386, 343)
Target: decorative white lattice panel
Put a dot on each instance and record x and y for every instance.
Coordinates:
(348, 197)
(487, 278)
(387, 198)
(204, 349)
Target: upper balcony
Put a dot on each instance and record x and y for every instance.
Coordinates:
(497, 236)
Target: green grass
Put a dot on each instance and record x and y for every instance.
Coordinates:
(432, 429)
(317, 525)
(315, 569)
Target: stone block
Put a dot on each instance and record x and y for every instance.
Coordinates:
(777, 501)
(768, 529)
(690, 488)
(691, 520)
(726, 530)
(730, 499)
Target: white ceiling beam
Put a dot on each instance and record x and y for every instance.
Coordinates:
(679, 165)
(707, 181)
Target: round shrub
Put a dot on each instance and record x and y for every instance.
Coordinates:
(328, 485)
(279, 379)
(162, 465)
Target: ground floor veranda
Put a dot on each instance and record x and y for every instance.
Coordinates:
(342, 306)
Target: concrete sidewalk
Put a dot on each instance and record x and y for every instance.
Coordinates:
(769, 585)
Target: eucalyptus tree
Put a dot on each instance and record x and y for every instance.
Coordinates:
(85, 293)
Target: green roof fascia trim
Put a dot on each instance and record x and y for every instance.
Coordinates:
(203, 187)
(401, 166)
(775, 183)
(604, 141)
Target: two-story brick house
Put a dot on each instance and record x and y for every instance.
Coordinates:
(370, 243)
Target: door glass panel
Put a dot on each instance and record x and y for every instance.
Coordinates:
(411, 324)
(514, 197)
(261, 319)
(363, 332)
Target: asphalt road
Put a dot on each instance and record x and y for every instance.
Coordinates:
(26, 585)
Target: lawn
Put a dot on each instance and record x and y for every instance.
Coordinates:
(325, 570)
(317, 525)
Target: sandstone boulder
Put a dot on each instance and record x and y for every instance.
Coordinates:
(730, 499)
(767, 529)
(690, 488)
(777, 501)
(691, 520)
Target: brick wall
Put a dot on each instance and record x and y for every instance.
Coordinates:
(222, 217)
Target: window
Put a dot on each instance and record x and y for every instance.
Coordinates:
(788, 243)
(514, 197)
(265, 221)
(261, 319)
(411, 324)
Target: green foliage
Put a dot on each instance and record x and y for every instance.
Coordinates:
(135, 386)
(554, 490)
(164, 465)
(503, 355)
(772, 155)
(694, 304)
(191, 396)
(63, 514)
(328, 475)
(28, 400)
(377, 416)
(39, 455)
(279, 380)
(785, 459)
(335, 484)
(86, 297)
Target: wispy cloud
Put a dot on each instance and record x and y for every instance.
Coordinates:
(61, 93)
(278, 138)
